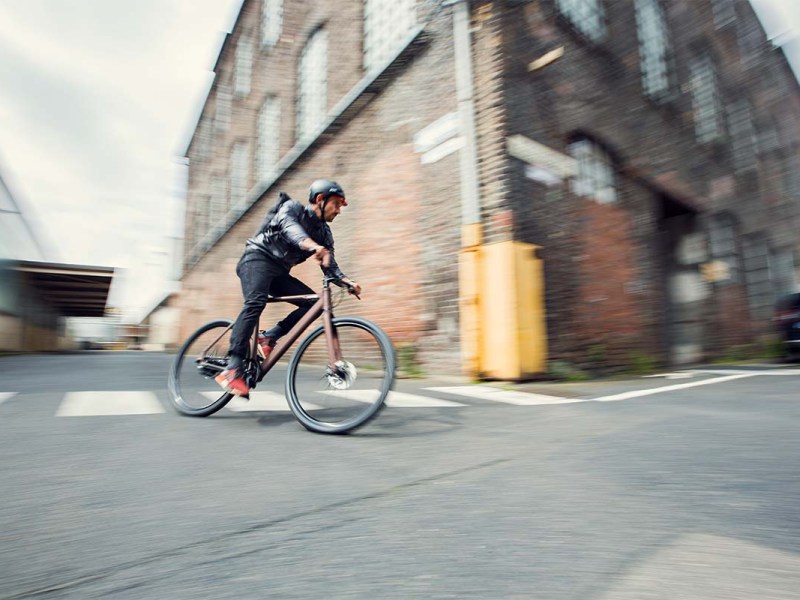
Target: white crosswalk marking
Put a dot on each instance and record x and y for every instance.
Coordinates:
(483, 392)
(82, 404)
(394, 399)
(97, 403)
(259, 401)
(6, 395)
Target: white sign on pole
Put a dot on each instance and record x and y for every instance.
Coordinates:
(539, 155)
(437, 132)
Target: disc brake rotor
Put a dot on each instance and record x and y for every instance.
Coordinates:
(342, 375)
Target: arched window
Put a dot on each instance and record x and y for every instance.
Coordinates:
(312, 90)
(268, 153)
(743, 135)
(705, 99)
(243, 67)
(386, 24)
(239, 170)
(271, 22)
(651, 25)
(586, 16)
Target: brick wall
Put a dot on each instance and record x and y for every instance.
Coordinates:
(591, 250)
(400, 232)
(606, 272)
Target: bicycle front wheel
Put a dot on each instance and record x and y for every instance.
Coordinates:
(339, 398)
(202, 357)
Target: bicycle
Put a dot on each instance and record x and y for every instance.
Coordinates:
(325, 390)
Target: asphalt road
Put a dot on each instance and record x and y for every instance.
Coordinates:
(599, 490)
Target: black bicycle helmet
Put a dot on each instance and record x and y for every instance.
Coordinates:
(326, 187)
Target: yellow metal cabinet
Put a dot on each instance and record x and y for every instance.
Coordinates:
(502, 311)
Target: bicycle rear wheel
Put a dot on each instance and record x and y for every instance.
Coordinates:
(339, 398)
(192, 388)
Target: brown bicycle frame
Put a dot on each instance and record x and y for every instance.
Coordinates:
(322, 306)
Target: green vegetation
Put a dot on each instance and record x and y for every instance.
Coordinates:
(408, 361)
(768, 348)
(562, 370)
(641, 363)
(596, 355)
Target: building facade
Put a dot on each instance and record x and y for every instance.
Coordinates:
(647, 151)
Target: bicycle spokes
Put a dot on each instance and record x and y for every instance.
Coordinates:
(339, 396)
(193, 389)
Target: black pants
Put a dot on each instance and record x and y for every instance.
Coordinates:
(260, 278)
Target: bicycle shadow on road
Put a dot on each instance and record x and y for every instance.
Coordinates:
(406, 423)
(390, 423)
(267, 418)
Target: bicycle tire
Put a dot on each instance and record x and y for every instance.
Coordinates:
(317, 419)
(179, 387)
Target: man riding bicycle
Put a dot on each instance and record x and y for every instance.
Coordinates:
(289, 235)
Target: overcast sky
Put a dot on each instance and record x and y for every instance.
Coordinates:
(97, 102)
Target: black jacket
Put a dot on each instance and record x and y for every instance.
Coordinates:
(281, 232)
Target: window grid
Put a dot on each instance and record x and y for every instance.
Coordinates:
(724, 12)
(386, 24)
(222, 114)
(705, 100)
(768, 137)
(202, 141)
(722, 238)
(743, 135)
(243, 67)
(268, 138)
(586, 15)
(239, 173)
(271, 22)
(200, 218)
(782, 271)
(313, 84)
(791, 177)
(219, 202)
(653, 46)
(750, 42)
(595, 177)
(757, 276)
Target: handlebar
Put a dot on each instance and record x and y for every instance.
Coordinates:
(326, 281)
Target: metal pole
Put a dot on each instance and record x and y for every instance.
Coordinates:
(470, 197)
(469, 259)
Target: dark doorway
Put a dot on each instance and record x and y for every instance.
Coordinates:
(682, 248)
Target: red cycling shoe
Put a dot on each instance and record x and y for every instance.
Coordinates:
(233, 381)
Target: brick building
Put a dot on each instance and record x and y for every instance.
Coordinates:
(648, 150)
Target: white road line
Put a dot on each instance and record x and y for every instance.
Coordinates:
(496, 395)
(6, 395)
(677, 375)
(82, 404)
(671, 388)
(732, 372)
(794, 372)
(394, 399)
